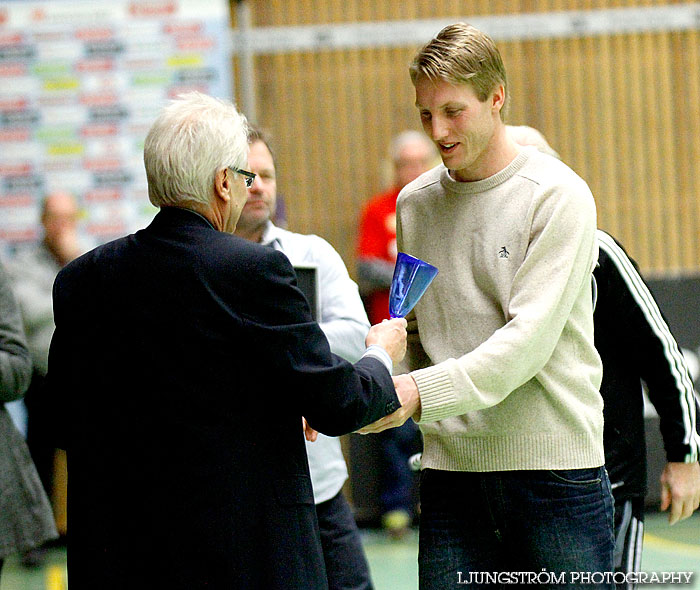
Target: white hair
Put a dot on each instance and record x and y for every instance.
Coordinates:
(407, 137)
(526, 135)
(193, 138)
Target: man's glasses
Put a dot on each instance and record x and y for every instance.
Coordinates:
(249, 177)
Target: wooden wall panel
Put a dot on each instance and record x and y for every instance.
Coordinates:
(622, 110)
(685, 52)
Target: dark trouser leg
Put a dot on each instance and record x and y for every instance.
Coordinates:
(458, 535)
(38, 429)
(346, 564)
(629, 533)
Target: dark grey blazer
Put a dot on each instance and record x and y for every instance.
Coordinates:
(26, 520)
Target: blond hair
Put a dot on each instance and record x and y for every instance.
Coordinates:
(462, 54)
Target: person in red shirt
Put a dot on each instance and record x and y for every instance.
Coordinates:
(412, 153)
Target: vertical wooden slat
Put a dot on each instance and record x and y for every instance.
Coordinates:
(296, 160)
(650, 147)
(626, 153)
(543, 115)
(692, 123)
(632, 76)
(666, 198)
(606, 190)
(519, 86)
(561, 114)
(686, 60)
(589, 129)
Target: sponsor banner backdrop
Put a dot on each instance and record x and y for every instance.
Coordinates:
(80, 84)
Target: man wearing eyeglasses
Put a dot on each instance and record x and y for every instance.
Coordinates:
(344, 321)
(183, 361)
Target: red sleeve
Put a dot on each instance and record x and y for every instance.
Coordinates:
(374, 236)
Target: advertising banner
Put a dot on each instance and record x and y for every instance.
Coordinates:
(80, 84)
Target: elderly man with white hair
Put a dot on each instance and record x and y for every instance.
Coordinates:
(183, 362)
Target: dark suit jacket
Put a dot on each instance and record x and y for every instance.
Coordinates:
(182, 363)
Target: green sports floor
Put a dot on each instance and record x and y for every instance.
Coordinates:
(394, 563)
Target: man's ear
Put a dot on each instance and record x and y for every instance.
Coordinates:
(222, 184)
(498, 98)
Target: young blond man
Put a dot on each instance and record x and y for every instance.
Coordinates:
(504, 376)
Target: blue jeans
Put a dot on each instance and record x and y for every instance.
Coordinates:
(515, 521)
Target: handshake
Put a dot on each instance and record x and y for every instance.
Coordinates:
(391, 335)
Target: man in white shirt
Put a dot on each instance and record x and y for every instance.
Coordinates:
(344, 322)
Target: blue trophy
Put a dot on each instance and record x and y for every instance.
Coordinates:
(412, 277)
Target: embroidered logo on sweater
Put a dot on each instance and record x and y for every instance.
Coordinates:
(503, 253)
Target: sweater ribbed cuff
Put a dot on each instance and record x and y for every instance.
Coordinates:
(437, 395)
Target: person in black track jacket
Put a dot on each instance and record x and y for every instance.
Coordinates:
(635, 343)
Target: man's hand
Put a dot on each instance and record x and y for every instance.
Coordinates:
(391, 336)
(680, 489)
(407, 391)
(309, 433)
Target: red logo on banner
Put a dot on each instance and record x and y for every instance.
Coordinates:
(195, 43)
(9, 38)
(106, 229)
(102, 164)
(19, 169)
(98, 99)
(182, 28)
(150, 9)
(19, 235)
(12, 104)
(94, 34)
(14, 134)
(95, 65)
(176, 91)
(99, 130)
(13, 70)
(38, 14)
(16, 200)
(102, 195)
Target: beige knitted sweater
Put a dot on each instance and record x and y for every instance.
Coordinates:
(504, 358)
